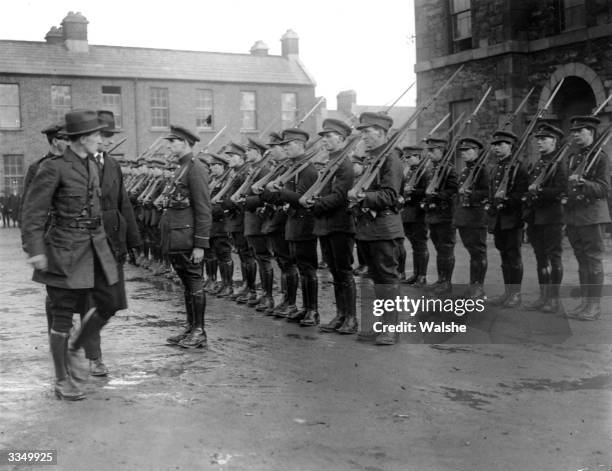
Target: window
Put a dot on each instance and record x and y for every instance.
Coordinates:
(573, 14)
(111, 101)
(204, 109)
(461, 20)
(13, 174)
(288, 109)
(248, 110)
(61, 102)
(10, 116)
(160, 111)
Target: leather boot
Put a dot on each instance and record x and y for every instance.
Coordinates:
(175, 339)
(592, 311)
(514, 298)
(387, 338)
(92, 322)
(350, 325)
(64, 385)
(211, 274)
(556, 276)
(338, 319)
(422, 262)
(415, 271)
(446, 272)
(500, 300)
(311, 318)
(97, 367)
(584, 293)
(267, 300)
(299, 315)
(283, 288)
(197, 336)
(290, 308)
(251, 276)
(541, 301)
(227, 272)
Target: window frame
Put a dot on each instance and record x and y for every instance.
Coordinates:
(287, 123)
(58, 111)
(8, 176)
(460, 43)
(244, 110)
(12, 106)
(113, 106)
(202, 112)
(152, 108)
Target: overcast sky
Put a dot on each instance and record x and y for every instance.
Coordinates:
(364, 46)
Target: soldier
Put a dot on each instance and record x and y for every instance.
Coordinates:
(439, 216)
(235, 226)
(586, 212)
(256, 239)
(378, 223)
(185, 231)
(505, 219)
(543, 213)
(300, 225)
(119, 224)
(413, 215)
(219, 237)
(70, 252)
(470, 215)
(335, 227)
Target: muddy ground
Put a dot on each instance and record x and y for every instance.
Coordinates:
(269, 395)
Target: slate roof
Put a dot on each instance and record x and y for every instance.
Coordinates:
(400, 114)
(41, 58)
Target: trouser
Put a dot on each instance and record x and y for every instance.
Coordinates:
(189, 272)
(304, 252)
(337, 251)
(443, 237)
(508, 242)
(248, 265)
(360, 257)
(416, 232)
(475, 242)
(546, 241)
(588, 245)
(64, 302)
(263, 255)
(287, 265)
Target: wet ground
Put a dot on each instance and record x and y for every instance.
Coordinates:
(268, 395)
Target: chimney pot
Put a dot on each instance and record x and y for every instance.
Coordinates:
(260, 48)
(290, 44)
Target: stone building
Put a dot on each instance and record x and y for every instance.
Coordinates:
(512, 46)
(148, 89)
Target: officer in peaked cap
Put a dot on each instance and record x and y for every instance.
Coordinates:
(378, 222)
(185, 232)
(335, 227)
(294, 134)
(436, 143)
(91, 269)
(413, 215)
(470, 216)
(254, 143)
(505, 217)
(274, 139)
(585, 213)
(543, 213)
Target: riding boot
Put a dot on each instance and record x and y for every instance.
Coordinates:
(349, 293)
(445, 271)
(289, 308)
(283, 288)
(250, 294)
(227, 271)
(197, 336)
(267, 301)
(175, 339)
(584, 293)
(500, 300)
(338, 319)
(592, 311)
(244, 287)
(422, 260)
(415, 271)
(299, 315)
(311, 317)
(516, 277)
(64, 385)
(553, 304)
(440, 270)
(211, 274)
(544, 281)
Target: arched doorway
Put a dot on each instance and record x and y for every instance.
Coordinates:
(575, 97)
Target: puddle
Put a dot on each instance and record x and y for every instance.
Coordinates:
(593, 383)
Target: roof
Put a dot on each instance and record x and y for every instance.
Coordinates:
(41, 58)
(400, 114)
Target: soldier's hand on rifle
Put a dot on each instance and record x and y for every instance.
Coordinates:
(306, 203)
(38, 261)
(197, 255)
(257, 189)
(355, 197)
(271, 186)
(576, 179)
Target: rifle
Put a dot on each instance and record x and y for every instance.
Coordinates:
(328, 172)
(248, 181)
(295, 168)
(153, 147)
(419, 171)
(228, 184)
(116, 145)
(370, 173)
(307, 115)
(443, 167)
(474, 173)
(390, 107)
(214, 138)
(501, 194)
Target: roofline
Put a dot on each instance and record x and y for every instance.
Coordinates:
(44, 43)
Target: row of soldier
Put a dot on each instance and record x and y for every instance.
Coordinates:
(270, 201)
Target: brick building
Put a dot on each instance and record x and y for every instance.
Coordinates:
(513, 45)
(148, 89)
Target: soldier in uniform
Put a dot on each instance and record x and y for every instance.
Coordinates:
(543, 213)
(300, 224)
(586, 213)
(335, 227)
(119, 224)
(505, 219)
(70, 251)
(439, 217)
(378, 222)
(185, 231)
(470, 216)
(413, 215)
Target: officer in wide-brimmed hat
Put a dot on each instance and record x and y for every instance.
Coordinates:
(185, 232)
(70, 253)
(586, 212)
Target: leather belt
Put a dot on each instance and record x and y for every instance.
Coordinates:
(78, 223)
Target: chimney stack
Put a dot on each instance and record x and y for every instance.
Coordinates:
(260, 48)
(345, 101)
(55, 36)
(74, 27)
(290, 44)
